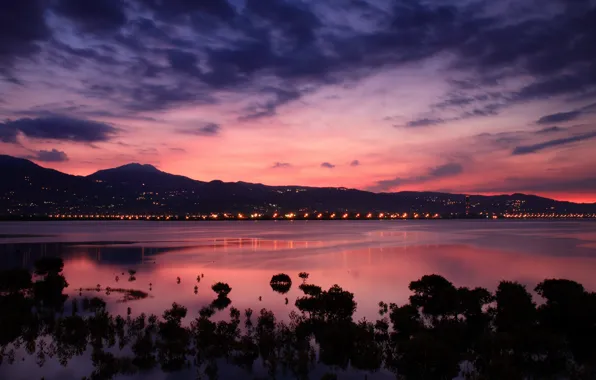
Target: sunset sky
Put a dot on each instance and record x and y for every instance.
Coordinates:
(471, 96)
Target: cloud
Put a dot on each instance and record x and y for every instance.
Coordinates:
(93, 16)
(279, 165)
(426, 122)
(167, 54)
(152, 97)
(549, 130)
(48, 156)
(166, 10)
(22, 27)
(327, 165)
(446, 170)
(57, 128)
(442, 171)
(269, 108)
(209, 129)
(527, 149)
(559, 117)
(355, 163)
(184, 62)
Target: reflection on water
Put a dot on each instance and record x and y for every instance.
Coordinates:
(375, 260)
(179, 262)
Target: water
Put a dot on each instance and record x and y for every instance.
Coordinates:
(376, 260)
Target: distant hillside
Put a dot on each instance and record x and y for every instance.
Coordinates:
(29, 189)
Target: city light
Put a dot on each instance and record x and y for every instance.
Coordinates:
(320, 215)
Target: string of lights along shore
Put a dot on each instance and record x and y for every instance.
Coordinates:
(310, 216)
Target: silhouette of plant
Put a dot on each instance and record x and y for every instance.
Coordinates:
(281, 283)
(49, 265)
(303, 276)
(222, 289)
(470, 333)
(310, 290)
(15, 280)
(221, 302)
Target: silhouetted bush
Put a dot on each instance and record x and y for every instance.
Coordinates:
(220, 303)
(15, 280)
(442, 333)
(281, 283)
(222, 289)
(49, 265)
(310, 290)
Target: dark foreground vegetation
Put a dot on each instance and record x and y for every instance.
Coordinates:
(443, 332)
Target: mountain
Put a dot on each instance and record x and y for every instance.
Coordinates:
(29, 189)
(139, 175)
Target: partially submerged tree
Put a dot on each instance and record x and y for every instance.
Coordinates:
(222, 289)
(281, 283)
(49, 265)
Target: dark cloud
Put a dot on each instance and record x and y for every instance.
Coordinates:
(327, 165)
(527, 149)
(209, 129)
(57, 128)
(446, 170)
(166, 9)
(183, 61)
(279, 165)
(167, 53)
(152, 97)
(297, 23)
(93, 16)
(550, 130)
(425, 122)
(442, 171)
(22, 28)
(269, 108)
(355, 163)
(48, 156)
(559, 117)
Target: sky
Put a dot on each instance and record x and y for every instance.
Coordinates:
(466, 96)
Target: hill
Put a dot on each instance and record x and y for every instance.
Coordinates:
(29, 189)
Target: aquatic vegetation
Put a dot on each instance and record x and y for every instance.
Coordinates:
(222, 289)
(48, 265)
(310, 290)
(15, 280)
(281, 283)
(127, 294)
(131, 275)
(220, 303)
(442, 332)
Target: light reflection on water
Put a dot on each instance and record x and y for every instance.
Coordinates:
(374, 260)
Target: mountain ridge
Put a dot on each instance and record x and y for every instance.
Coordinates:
(28, 188)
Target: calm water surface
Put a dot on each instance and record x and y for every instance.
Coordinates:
(375, 260)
